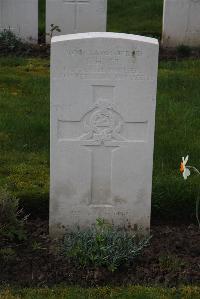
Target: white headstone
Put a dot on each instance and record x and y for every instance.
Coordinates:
(75, 16)
(21, 17)
(181, 23)
(103, 100)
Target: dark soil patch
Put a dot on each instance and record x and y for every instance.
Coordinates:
(173, 258)
(26, 50)
(43, 50)
(178, 53)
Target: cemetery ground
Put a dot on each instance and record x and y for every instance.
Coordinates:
(173, 257)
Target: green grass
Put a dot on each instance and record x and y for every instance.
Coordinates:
(132, 292)
(24, 134)
(24, 127)
(142, 17)
(42, 7)
(177, 134)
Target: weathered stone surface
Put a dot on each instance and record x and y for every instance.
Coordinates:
(20, 16)
(181, 23)
(74, 16)
(103, 100)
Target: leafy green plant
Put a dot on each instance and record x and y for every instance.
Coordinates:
(103, 246)
(53, 29)
(9, 42)
(11, 219)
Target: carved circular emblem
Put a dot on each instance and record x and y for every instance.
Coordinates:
(102, 121)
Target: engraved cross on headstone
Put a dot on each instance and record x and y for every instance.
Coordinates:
(103, 127)
(76, 6)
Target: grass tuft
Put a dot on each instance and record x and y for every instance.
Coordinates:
(131, 292)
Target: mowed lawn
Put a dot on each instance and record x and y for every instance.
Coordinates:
(142, 17)
(132, 292)
(24, 134)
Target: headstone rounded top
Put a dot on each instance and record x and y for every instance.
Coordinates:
(110, 35)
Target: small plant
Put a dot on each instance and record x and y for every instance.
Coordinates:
(11, 219)
(170, 263)
(53, 29)
(7, 254)
(9, 41)
(37, 246)
(185, 170)
(103, 246)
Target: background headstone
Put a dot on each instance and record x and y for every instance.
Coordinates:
(103, 100)
(20, 16)
(74, 16)
(181, 23)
